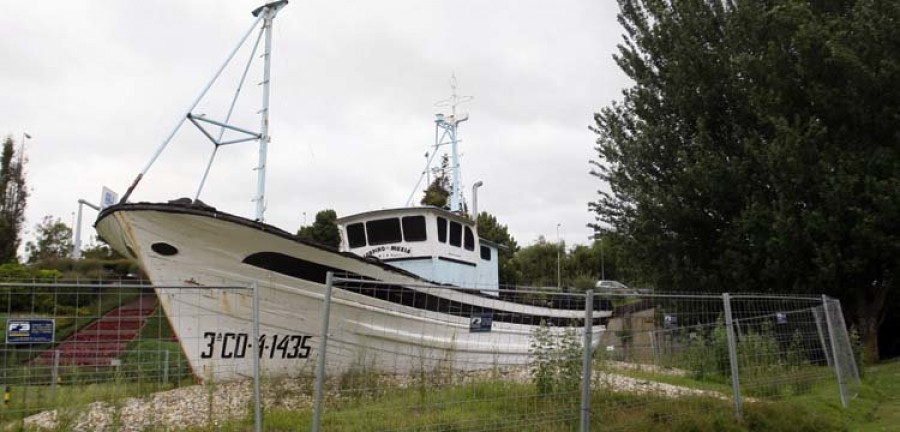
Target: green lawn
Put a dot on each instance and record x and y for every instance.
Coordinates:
(882, 385)
(504, 406)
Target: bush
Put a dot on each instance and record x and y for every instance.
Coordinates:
(556, 360)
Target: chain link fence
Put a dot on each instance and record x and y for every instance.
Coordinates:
(359, 354)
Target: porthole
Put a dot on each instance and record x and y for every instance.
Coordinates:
(164, 249)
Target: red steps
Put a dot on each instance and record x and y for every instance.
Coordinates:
(103, 340)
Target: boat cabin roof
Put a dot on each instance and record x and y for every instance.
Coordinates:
(403, 211)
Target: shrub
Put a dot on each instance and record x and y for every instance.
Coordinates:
(556, 360)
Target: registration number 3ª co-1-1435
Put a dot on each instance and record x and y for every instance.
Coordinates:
(236, 345)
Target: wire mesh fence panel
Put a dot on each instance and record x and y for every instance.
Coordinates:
(663, 354)
(782, 346)
(407, 356)
(403, 355)
(91, 356)
(843, 353)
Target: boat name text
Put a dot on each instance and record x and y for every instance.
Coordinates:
(234, 345)
(380, 249)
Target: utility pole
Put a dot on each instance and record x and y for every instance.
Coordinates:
(598, 236)
(558, 245)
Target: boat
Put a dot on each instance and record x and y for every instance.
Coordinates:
(417, 288)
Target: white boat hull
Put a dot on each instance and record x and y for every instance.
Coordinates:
(214, 324)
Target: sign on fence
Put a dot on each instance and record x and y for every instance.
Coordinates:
(481, 322)
(29, 330)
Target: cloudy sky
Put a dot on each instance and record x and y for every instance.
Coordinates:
(99, 84)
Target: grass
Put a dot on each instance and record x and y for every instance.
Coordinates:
(877, 409)
(519, 407)
(496, 405)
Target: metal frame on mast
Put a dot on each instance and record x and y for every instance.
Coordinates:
(447, 124)
(266, 14)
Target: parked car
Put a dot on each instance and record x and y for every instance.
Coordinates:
(610, 285)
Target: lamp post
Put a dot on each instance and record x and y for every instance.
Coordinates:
(76, 251)
(598, 235)
(602, 264)
(22, 148)
(558, 244)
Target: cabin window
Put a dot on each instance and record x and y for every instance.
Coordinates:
(356, 235)
(469, 239)
(414, 228)
(383, 231)
(485, 253)
(442, 229)
(455, 234)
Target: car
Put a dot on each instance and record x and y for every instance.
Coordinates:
(611, 285)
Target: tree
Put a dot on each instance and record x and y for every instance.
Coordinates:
(53, 241)
(536, 264)
(757, 149)
(99, 249)
(492, 230)
(437, 193)
(324, 230)
(13, 196)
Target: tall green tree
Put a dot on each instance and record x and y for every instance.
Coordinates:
(492, 230)
(13, 196)
(53, 240)
(758, 148)
(324, 230)
(536, 264)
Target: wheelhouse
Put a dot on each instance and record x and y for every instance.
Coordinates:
(430, 242)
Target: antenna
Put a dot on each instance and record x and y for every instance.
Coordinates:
(449, 125)
(454, 100)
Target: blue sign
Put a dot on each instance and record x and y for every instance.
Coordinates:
(481, 322)
(29, 331)
(108, 198)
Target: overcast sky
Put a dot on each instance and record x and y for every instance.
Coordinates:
(99, 84)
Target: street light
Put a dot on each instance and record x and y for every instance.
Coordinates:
(558, 244)
(602, 264)
(599, 237)
(76, 252)
(22, 148)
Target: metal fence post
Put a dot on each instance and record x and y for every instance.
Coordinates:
(586, 367)
(825, 349)
(166, 367)
(323, 345)
(851, 371)
(54, 377)
(834, 353)
(257, 384)
(732, 355)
